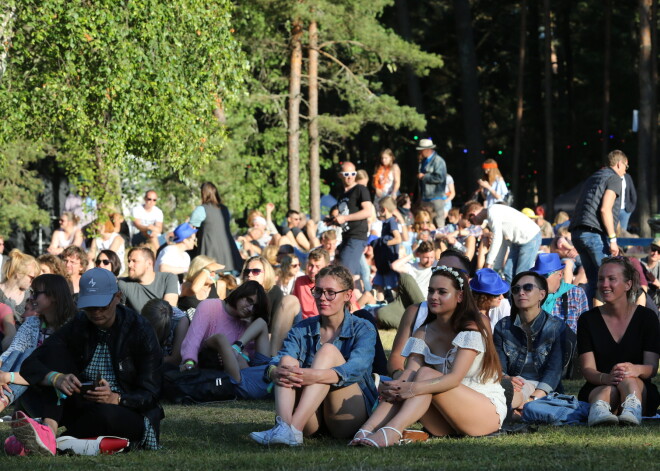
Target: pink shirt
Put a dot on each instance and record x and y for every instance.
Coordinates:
(211, 318)
(4, 312)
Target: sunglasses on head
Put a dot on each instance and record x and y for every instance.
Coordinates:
(527, 288)
(348, 174)
(253, 271)
(104, 262)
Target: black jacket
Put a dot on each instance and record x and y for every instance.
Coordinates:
(136, 355)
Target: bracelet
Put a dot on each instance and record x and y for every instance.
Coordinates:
(49, 378)
(611, 236)
(190, 362)
(55, 378)
(612, 239)
(11, 377)
(269, 372)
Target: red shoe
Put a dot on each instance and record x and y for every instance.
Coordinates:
(13, 447)
(36, 438)
(92, 446)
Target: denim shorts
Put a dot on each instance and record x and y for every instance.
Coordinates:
(252, 384)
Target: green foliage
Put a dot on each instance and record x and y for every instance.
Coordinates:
(105, 81)
(20, 187)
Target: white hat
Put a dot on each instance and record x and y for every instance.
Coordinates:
(425, 144)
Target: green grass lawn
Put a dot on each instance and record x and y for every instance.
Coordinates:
(216, 437)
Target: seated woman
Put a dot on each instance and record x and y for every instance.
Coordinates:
(170, 329)
(107, 240)
(51, 299)
(68, 234)
(109, 260)
(201, 282)
(619, 347)
(451, 381)
(288, 272)
(224, 328)
(322, 374)
(489, 289)
(529, 341)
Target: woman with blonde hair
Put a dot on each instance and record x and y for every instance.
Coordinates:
(15, 290)
(492, 186)
(202, 281)
(67, 234)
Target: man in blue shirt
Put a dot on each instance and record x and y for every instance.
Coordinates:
(432, 179)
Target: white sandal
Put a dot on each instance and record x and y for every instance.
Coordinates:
(359, 435)
(387, 443)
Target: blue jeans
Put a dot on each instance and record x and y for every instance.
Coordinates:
(593, 247)
(521, 257)
(365, 273)
(349, 254)
(13, 363)
(624, 217)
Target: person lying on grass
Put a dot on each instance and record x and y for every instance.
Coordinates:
(322, 374)
(451, 381)
(221, 330)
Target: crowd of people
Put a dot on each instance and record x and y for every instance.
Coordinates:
(487, 318)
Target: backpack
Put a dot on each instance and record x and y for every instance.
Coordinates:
(197, 386)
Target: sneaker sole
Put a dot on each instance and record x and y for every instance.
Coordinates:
(30, 439)
(258, 438)
(628, 421)
(609, 421)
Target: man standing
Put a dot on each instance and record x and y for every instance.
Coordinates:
(148, 220)
(143, 283)
(593, 226)
(432, 179)
(105, 363)
(511, 225)
(564, 300)
(354, 209)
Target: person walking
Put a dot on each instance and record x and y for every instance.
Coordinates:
(432, 178)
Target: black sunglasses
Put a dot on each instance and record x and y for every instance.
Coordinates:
(527, 288)
(253, 271)
(655, 248)
(104, 262)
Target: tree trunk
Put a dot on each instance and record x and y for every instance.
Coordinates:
(645, 99)
(6, 33)
(606, 79)
(294, 115)
(549, 147)
(520, 93)
(467, 58)
(412, 80)
(653, 173)
(314, 169)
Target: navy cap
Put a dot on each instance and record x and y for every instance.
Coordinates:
(97, 288)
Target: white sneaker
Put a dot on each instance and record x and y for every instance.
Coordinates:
(600, 414)
(263, 438)
(631, 413)
(286, 434)
(92, 446)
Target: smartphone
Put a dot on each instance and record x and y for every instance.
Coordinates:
(86, 387)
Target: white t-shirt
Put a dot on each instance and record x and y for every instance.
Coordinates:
(147, 218)
(508, 223)
(421, 275)
(498, 313)
(170, 255)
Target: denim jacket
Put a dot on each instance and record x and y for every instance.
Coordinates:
(356, 341)
(435, 178)
(547, 333)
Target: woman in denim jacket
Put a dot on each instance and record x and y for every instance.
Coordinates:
(529, 341)
(322, 374)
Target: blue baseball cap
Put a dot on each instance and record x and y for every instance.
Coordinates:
(488, 281)
(97, 288)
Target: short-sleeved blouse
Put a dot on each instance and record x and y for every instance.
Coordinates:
(641, 335)
(465, 339)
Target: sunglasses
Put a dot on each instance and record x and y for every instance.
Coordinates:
(151, 199)
(527, 288)
(35, 294)
(252, 271)
(348, 174)
(329, 294)
(104, 262)
(655, 248)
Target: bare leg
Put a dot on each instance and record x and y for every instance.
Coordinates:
(385, 410)
(232, 362)
(52, 424)
(632, 386)
(257, 331)
(282, 322)
(609, 394)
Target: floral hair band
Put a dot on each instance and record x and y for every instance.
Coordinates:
(453, 272)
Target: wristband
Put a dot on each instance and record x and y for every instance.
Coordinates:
(11, 377)
(611, 236)
(269, 371)
(49, 378)
(613, 239)
(190, 362)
